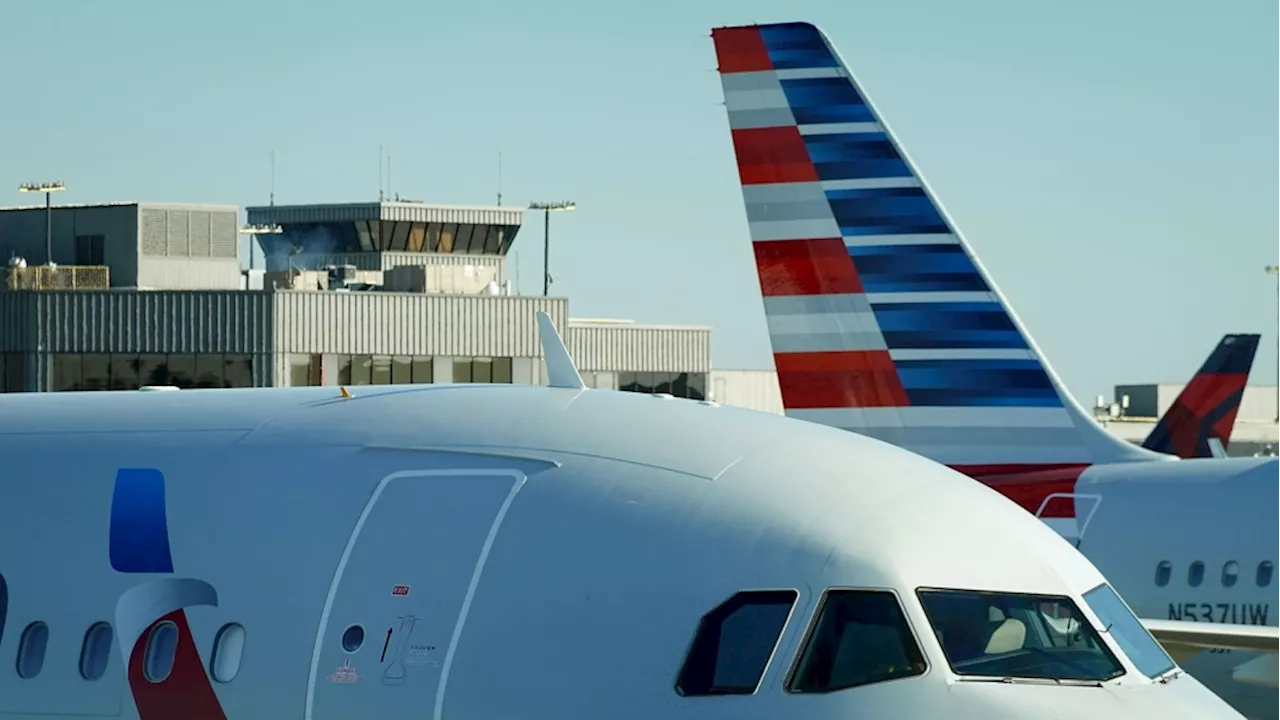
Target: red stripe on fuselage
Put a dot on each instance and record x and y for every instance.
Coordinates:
(772, 155)
(1029, 484)
(839, 379)
(187, 693)
(740, 49)
(820, 266)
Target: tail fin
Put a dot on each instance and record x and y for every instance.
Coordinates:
(1206, 408)
(882, 320)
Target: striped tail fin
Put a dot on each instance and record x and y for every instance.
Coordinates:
(1206, 408)
(882, 320)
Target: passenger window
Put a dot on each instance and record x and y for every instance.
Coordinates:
(228, 650)
(1265, 571)
(31, 647)
(95, 651)
(1230, 573)
(1163, 571)
(4, 604)
(352, 638)
(162, 648)
(1195, 574)
(860, 637)
(734, 643)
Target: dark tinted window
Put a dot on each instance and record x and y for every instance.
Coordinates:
(734, 643)
(31, 648)
(1163, 571)
(1195, 574)
(1265, 571)
(861, 637)
(160, 653)
(4, 604)
(95, 651)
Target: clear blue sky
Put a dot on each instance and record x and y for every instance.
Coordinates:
(1113, 163)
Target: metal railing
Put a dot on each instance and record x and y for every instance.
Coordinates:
(59, 277)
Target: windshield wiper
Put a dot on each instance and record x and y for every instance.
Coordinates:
(1170, 675)
(1008, 679)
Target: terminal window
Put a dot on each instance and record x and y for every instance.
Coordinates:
(13, 372)
(129, 371)
(419, 369)
(682, 385)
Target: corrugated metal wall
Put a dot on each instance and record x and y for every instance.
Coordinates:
(144, 322)
(750, 389)
(411, 324)
(137, 322)
(637, 347)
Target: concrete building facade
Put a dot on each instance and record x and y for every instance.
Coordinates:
(374, 293)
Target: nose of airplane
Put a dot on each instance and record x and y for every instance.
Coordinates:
(1181, 698)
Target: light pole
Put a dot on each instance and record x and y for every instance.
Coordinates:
(48, 189)
(255, 231)
(1275, 270)
(547, 208)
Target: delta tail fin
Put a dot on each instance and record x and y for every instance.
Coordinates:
(882, 320)
(1206, 408)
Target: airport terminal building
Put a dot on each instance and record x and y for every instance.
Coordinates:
(349, 294)
(364, 293)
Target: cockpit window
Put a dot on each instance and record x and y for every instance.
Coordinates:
(734, 643)
(1133, 639)
(994, 634)
(860, 637)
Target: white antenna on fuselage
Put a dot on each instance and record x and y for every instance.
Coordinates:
(561, 372)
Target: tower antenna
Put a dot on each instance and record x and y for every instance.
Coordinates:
(379, 173)
(499, 178)
(273, 178)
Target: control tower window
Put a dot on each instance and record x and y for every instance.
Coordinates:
(860, 637)
(1013, 635)
(734, 642)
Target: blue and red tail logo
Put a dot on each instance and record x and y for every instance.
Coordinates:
(881, 319)
(1206, 408)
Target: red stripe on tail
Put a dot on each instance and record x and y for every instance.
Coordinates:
(843, 379)
(772, 155)
(1029, 484)
(740, 49)
(805, 267)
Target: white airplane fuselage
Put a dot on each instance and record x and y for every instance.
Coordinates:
(483, 552)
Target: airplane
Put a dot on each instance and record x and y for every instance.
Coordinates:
(884, 323)
(486, 551)
(1199, 422)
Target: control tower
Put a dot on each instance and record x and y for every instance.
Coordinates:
(455, 248)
